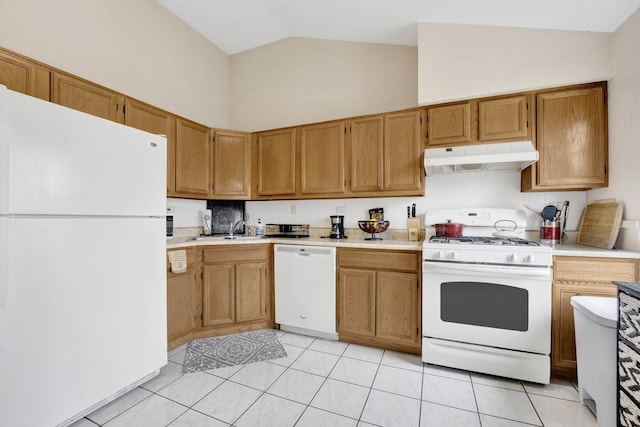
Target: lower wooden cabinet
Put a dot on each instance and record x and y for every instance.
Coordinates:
(227, 289)
(183, 300)
(378, 298)
(235, 285)
(580, 276)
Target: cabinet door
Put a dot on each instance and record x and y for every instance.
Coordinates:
(503, 119)
(151, 119)
(449, 124)
(21, 75)
(367, 154)
(231, 164)
(193, 159)
(397, 303)
(182, 315)
(219, 295)
(402, 152)
(563, 337)
(322, 152)
(580, 276)
(251, 299)
(275, 162)
(356, 301)
(86, 97)
(572, 138)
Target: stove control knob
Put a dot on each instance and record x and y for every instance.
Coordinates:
(454, 255)
(441, 255)
(513, 258)
(530, 259)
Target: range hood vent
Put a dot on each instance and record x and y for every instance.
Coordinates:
(504, 156)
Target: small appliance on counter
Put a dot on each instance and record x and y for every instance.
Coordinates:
(295, 231)
(337, 227)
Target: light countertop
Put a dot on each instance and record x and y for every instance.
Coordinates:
(573, 249)
(392, 240)
(352, 242)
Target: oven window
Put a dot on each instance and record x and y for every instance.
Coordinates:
(485, 304)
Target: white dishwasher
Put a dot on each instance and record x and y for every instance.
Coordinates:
(305, 285)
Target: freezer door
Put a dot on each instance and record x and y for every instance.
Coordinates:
(85, 314)
(65, 162)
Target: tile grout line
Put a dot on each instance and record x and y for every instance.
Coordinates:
(371, 388)
(263, 392)
(321, 385)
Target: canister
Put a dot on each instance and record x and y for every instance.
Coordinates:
(550, 232)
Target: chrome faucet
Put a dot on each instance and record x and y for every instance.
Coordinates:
(233, 226)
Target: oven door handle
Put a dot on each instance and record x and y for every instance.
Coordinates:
(484, 269)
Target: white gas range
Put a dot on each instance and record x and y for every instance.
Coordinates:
(486, 299)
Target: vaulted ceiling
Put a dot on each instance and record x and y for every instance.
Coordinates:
(238, 25)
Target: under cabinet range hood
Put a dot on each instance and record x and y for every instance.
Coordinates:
(504, 156)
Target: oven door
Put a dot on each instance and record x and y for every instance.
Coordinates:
(492, 305)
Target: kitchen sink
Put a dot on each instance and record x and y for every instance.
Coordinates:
(227, 237)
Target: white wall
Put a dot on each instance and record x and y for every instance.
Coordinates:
(297, 80)
(135, 47)
(471, 190)
(624, 121)
(470, 61)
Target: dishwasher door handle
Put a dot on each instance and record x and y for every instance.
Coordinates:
(303, 253)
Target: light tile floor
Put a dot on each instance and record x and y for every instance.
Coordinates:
(335, 384)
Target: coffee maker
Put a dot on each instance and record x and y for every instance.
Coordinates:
(337, 227)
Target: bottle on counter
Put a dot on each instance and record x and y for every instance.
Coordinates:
(260, 228)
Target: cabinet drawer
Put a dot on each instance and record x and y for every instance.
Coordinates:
(594, 269)
(379, 259)
(228, 253)
(193, 255)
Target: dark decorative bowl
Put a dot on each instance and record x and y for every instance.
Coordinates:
(373, 226)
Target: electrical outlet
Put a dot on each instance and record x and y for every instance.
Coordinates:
(294, 210)
(341, 209)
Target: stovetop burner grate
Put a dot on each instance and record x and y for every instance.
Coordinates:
(484, 240)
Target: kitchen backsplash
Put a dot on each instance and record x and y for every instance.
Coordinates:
(479, 189)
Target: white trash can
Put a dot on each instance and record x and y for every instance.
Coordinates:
(596, 323)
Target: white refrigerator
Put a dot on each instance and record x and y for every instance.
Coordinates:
(82, 260)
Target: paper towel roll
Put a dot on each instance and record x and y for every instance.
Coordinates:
(206, 221)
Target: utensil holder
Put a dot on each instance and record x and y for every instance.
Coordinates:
(413, 229)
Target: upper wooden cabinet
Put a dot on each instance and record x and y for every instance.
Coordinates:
(83, 96)
(322, 158)
(571, 140)
(480, 121)
(231, 165)
(449, 124)
(274, 163)
(367, 154)
(193, 159)
(403, 145)
(154, 120)
(504, 118)
(386, 154)
(24, 76)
